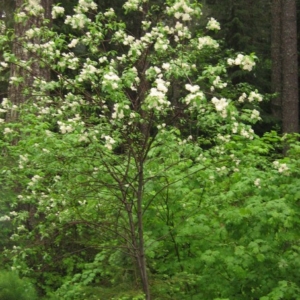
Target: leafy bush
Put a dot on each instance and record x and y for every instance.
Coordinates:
(14, 288)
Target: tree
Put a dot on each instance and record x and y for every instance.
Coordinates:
(141, 163)
(290, 97)
(118, 111)
(30, 16)
(276, 59)
(285, 64)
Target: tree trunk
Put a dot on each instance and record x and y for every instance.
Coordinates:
(16, 92)
(276, 104)
(141, 246)
(290, 114)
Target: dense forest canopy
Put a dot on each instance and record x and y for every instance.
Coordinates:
(150, 150)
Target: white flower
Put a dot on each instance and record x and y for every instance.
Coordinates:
(110, 13)
(255, 96)
(21, 16)
(242, 98)
(166, 66)
(230, 61)
(281, 167)
(7, 130)
(192, 88)
(213, 24)
(255, 115)
(220, 104)
(73, 43)
(4, 218)
(57, 11)
(65, 128)
(246, 62)
(109, 141)
(257, 182)
(207, 41)
(30, 33)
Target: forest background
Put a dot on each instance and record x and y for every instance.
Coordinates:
(149, 149)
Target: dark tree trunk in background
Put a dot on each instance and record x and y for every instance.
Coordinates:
(290, 103)
(276, 104)
(285, 64)
(17, 93)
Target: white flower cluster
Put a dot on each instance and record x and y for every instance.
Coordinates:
(85, 6)
(190, 99)
(65, 128)
(253, 96)
(161, 44)
(15, 80)
(111, 79)
(157, 97)
(133, 5)
(255, 115)
(57, 11)
(192, 88)
(23, 160)
(153, 71)
(44, 110)
(235, 127)
(48, 49)
(2, 26)
(218, 83)
(185, 141)
(195, 93)
(119, 111)
(136, 49)
(182, 31)
(146, 25)
(110, 13)
(181, 10)
(220, 105)
(109, 141)
(34, 7)
(4, 218)
(73, 43)
(69, 60)
(224, 138)
(78, 20)
(247, 133)
(246, 62)
(128, 40)
(207, 41)
(6, 105)
(257, 182)
(282, 168)
(213, 24)
(7, 131)
(32, 32)
(20, 17)
(161, 126)
(88, 71)
(72, 101)
(34, 180)
(70, 125)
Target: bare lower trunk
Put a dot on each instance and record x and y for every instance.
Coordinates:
(141, 250)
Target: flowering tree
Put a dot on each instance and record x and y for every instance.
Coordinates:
(127, 130)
